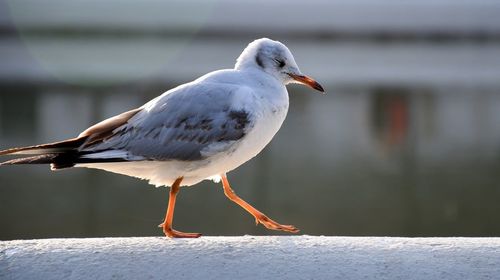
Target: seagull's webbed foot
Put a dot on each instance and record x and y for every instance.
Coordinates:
(259, 216)
(271, 224)
(170, 232)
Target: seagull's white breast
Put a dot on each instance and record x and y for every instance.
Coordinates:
(268, 114)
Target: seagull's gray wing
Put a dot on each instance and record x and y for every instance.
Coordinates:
(180, 125)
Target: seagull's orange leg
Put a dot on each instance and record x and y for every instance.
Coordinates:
(259, 216)
(169, 217)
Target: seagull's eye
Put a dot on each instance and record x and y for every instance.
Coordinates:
(281, 63)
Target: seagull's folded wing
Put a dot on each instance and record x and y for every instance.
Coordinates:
(185, 124)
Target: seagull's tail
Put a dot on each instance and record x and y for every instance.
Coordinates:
(67, 153)
(59, 155)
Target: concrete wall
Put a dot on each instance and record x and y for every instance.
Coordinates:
(251, 257)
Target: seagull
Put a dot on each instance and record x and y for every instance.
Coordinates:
(197, 131)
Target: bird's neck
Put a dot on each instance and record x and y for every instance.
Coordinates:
(270, 89)
(262, 76)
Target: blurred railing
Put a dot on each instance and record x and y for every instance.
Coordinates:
(339, 42)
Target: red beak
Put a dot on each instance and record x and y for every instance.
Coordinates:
(310, 82)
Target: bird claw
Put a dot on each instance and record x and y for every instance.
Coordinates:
(169, 232)
(178, 234)
(270, 224)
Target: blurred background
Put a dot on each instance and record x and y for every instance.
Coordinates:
(405, 143)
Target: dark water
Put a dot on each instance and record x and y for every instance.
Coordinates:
(378, 160)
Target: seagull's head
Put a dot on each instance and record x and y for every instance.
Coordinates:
(275, 59)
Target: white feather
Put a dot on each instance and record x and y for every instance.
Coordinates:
(109, 154)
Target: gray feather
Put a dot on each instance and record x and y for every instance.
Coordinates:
(181, 124)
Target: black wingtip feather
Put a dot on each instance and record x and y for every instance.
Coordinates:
(56, 161)
(52, 148)
(59, 154)
(39, 159)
